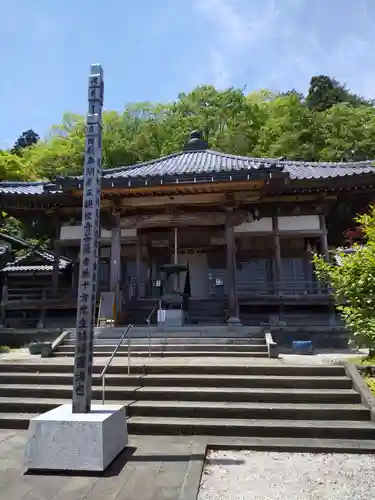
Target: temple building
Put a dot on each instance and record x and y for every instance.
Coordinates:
(242, 230)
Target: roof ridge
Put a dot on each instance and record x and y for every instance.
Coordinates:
(148, 162)
(20, 183)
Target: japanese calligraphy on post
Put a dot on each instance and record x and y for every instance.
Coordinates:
(87, 287)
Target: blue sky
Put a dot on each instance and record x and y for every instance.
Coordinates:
(153, 49)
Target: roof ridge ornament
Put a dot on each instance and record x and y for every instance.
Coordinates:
(196, 142)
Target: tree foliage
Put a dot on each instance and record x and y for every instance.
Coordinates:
(353, 283)
(25, 140)
(331, 124)
(15, 168)
(325, 92)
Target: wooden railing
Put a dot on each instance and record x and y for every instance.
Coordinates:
(39, 294)
(274, 289)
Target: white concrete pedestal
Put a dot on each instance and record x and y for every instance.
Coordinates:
(63, 440)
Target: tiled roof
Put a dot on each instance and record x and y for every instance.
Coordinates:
(24, 188)
(201, 166)
(306, 170)
(192, 163)
(49, 257)
(15, 240)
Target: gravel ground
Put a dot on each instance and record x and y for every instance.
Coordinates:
(252, 475)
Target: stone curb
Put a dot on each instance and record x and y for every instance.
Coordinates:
(48, 351)
(193, 476)
(360, 386)
(272, 347)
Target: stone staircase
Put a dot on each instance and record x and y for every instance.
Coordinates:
(175, 342)
(207, 311)
(247, 400)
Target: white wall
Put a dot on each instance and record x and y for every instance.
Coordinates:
(290, 223)
(264, 224)
(75, 233)
(299, 223)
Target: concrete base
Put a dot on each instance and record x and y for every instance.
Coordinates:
(234, 321)
(63, 440)
(173, 317)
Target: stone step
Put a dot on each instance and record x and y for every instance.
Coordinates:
(191, 409)
(267, 381)
(216, 367)
(190, 331)
(135, 347)
(179, 340)
(232, 394)
(318, 429)
(98, 352)
(19, 421)
(269, 435)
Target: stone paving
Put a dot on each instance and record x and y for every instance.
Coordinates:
(170, 468)
(161, 468)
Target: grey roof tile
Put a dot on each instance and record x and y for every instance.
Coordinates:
(205, 162)
(24, 188)
(21, 264)
(306, 170)
(212, 162)
(191, 163)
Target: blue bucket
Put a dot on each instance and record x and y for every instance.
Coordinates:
(302, 347)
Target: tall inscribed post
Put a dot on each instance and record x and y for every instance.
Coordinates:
(88, 267)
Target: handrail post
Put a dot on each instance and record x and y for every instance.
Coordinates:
(128, 354)
(148, 321)
(105, 369)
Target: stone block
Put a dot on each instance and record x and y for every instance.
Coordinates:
(174, 317)
(63, 440)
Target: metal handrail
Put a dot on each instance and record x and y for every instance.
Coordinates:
(148, 320)
(99, 310)
(105, 369)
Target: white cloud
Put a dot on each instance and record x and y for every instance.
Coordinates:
(237, 30)
(281, 45)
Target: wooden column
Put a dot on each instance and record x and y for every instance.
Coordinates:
(231, 271)
(57, 251)
(138, 251)
(278, 277)
(309, 270)
(115, 263)
(323, 237)
(4, 299)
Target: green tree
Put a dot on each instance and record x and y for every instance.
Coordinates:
(25, 140)
(324, 92)
(15, 168)
(290, 129)
(353, 284)
(258, 124)
(347, 133)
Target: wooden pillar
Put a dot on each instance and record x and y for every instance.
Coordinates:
(138, 251)
(75, 272)
(278, 277)
(115, 263)
(4, 299)
(323, 237)
(55, 271)
(309, 270)
(231, 271)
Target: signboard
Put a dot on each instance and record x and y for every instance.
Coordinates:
(88, 267)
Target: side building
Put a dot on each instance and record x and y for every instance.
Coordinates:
(244, 227)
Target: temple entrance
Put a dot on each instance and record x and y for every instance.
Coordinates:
(198, 274)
